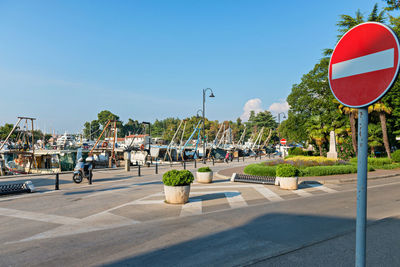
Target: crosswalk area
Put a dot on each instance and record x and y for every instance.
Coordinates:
(213, 197)
(132, 209)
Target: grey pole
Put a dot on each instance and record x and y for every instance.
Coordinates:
(279, 135)
(204, 131)
(362, 169)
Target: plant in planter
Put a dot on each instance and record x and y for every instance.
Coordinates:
(288, 176)
(204, 175)
(177, 186)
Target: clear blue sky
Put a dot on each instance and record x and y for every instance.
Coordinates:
(64, 61)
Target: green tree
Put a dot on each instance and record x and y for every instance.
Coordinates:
(317, 131)
(5, 130)
(311, 97)
(104, 116)
(353, 114)
(374, 137)
(91, 129)
(382, 110)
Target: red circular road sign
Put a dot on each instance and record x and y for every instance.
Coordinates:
(283, 141)
(364, 64)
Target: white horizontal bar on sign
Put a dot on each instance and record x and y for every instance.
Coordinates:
(372, 62)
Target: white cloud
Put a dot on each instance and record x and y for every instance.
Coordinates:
(252, 104)
(278, 107)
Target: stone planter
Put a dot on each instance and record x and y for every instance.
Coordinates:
(204, 177)
(277, 180)
(289, 183)
(176, 194)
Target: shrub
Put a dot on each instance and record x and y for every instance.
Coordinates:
(345, 148)
(296, 151)
(374, 161)
(260, 170)
(204, 169)
(286, 170)
(177, 178)
(387, 166)
(331, 170)
(396, 156)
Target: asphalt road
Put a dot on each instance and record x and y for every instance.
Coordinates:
(125, 222)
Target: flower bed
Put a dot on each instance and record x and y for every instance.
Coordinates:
(308, 166)
(304, 161)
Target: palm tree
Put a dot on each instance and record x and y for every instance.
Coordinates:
(353, 115)
(317, 132)
(347, 22)
(382, 110)
(374, 137)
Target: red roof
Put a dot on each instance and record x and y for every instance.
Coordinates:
(136, 136)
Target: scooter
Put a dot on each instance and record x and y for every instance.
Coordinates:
(83, 169)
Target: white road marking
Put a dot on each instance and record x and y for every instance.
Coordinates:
(368, 63)
(35, 216)
(147, 202)
(96, 222)
(323, 188)
(193, 207)
(235, 199)
(267, 193)
(302, 193)
(105, 192)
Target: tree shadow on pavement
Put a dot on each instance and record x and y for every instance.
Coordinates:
(261, 238)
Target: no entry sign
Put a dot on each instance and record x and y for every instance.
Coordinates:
(364, 64)
(283, 141)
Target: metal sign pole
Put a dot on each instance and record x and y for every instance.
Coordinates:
(362, 169)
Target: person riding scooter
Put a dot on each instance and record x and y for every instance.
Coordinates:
(83, 169)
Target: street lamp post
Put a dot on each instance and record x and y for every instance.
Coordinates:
(279, 123)
(204, 130)
(148, 123)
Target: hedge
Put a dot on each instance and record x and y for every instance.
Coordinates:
(374, 161)
(330, 170)
(263, 170)
(387, 166)
(260, 170)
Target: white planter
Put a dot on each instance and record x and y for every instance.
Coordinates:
(176, 194)
(204, 177)
(289, 183)
(277, 180)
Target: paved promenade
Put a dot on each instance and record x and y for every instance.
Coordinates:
(121, 219)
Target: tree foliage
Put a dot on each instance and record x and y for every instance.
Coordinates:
(312, 97)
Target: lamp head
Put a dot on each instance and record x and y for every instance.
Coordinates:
(284, 116)
(212, 94)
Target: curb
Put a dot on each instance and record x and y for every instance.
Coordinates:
(333, 181)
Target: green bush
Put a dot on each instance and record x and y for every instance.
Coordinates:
(331, 170)
(204, 169)
(396, 156)
(177, 178)
(260, 170)
(286, 170)
(296, 151)
(374, 161)
(387, 166)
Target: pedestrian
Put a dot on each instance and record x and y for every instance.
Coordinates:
(227, 157)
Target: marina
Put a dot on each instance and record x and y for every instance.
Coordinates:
(22, 153)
